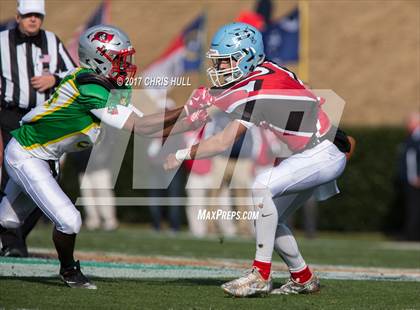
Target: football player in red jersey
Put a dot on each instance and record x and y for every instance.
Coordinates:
(258, 92)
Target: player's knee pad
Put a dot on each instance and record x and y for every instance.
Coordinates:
(70, 223)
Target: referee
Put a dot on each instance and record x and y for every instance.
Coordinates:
(32, 63)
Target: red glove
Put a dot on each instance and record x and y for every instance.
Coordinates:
(198, 118)
(321, 100)
(199, 100)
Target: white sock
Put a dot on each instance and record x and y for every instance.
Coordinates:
(285, 245)
(265, 225)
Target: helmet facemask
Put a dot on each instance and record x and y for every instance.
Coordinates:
(122, 64)
(221, 77)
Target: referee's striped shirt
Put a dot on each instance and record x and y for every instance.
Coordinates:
(22, 58)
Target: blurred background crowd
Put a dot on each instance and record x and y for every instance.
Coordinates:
(366, 51)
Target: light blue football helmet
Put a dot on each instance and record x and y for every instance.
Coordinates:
(237, 42)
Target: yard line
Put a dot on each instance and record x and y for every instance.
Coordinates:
(147, 267)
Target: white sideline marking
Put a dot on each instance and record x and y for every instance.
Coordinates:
(401, 246)
(37, 267)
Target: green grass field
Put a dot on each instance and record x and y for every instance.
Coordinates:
(47, 293)
(204, 293)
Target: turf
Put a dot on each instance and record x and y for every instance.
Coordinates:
(47, 293)
(355, 249)
(359, 250)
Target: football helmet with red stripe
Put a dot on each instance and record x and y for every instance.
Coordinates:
(108, 51)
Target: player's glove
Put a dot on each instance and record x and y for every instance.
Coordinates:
(264, 125)
(199, 100)
(321, 100)
(198, 118)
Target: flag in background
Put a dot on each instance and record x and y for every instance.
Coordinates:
(281, 39)
(8, 24)
(184, 53)
(286, 40)
(100, 16)
(252, 18)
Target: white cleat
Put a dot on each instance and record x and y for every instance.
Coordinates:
(293, 287)
(251, 284)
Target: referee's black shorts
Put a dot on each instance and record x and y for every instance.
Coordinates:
(9, 121)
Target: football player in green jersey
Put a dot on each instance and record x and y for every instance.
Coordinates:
(70, 121)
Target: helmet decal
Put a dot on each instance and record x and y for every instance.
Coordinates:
(103, 37)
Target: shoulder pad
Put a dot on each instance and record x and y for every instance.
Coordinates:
(92, 78)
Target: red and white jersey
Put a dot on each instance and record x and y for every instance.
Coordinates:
(272, 97)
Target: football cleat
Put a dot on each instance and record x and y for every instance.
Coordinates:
(74, 278)
(251, 284)
(13, 252)
(293, 287)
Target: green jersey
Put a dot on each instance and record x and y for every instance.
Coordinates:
(67, 122)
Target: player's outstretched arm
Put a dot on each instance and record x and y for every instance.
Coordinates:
(212, 146)
(130, 120)
(191, 122)
(149, 124)
(159, 124)
(195, 111)
(190, 116)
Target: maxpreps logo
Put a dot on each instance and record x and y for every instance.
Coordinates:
(102, 37)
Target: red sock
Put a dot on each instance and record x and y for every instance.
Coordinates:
(302, 276)
(263, 268)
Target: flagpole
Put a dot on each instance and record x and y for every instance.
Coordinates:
(203, 73)
(303, 66)
(107, 11)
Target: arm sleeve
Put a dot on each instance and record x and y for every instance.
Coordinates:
(96, 99)
(248, 125)
(116, 120)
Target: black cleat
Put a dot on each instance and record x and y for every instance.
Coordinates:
(74, 278)
(13, 252)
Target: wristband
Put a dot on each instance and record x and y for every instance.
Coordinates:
(183, 154)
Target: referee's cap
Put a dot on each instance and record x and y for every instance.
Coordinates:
(31, 6)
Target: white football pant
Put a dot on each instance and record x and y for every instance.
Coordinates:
(33, 176)
(96, 189)
(280, 191)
